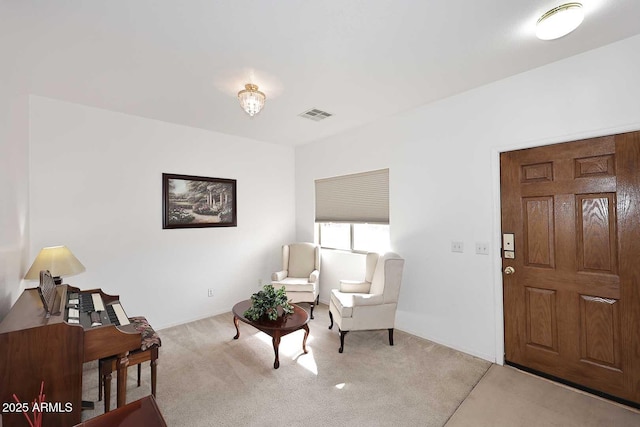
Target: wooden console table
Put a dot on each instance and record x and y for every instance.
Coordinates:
(276, 329)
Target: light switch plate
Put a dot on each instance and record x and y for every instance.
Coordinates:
(482, 248)
(457, 246)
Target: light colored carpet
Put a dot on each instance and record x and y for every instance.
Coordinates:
(206, 378)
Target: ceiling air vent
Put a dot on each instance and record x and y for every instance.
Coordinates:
(315, 115)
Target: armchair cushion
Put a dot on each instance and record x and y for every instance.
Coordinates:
(354, 286)
(295, 284)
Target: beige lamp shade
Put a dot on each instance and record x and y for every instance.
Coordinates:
(58, 260)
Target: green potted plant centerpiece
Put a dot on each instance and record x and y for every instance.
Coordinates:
(266, 302)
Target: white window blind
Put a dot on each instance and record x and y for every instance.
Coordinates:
(357, 198)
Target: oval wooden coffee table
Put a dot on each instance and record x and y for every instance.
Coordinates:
(276, 329)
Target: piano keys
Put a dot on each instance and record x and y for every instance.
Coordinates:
(90, 310)
(34, 347)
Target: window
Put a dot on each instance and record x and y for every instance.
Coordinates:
(371, 238)
(352, 211)
(335, 235)
(354, 237)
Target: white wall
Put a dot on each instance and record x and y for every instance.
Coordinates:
(444, 182)
(14, 191)
(14, 164)
(96, 187)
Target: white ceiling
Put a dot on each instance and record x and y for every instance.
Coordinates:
(362, 60)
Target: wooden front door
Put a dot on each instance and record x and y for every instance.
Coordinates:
(572, 295)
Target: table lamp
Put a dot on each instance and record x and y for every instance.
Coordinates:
(58, 260)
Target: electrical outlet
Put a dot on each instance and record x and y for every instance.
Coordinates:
(210, 292)
(457, 247)
(482, 248)
(259, 283)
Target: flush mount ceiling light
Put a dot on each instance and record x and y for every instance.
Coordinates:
(251, 99)
(559, 21)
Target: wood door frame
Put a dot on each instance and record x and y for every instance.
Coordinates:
(496, 242)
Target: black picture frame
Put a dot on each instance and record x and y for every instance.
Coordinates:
(196, 202)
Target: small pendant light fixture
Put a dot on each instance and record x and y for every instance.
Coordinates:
(251, 99)
(559, 21)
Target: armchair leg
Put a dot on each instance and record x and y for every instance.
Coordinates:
(313, 304)
(331, 318)
(390, 336)
(342, 334)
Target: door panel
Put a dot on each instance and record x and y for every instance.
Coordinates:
(572, 307)
(596, 232)
(542, 327)
(538, 231)
(600, 331)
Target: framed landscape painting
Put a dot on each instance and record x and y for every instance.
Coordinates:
(197, 201)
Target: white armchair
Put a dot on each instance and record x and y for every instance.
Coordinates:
(300, 273)
(369, 304)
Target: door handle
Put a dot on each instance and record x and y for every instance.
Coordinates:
(509, 270)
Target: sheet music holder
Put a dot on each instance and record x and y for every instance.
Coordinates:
(47, 291)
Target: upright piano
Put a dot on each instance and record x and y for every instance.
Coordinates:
(43, 343)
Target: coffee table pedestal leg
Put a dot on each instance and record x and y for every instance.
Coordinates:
(235, 322)
(304, 340)
(276, 344)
